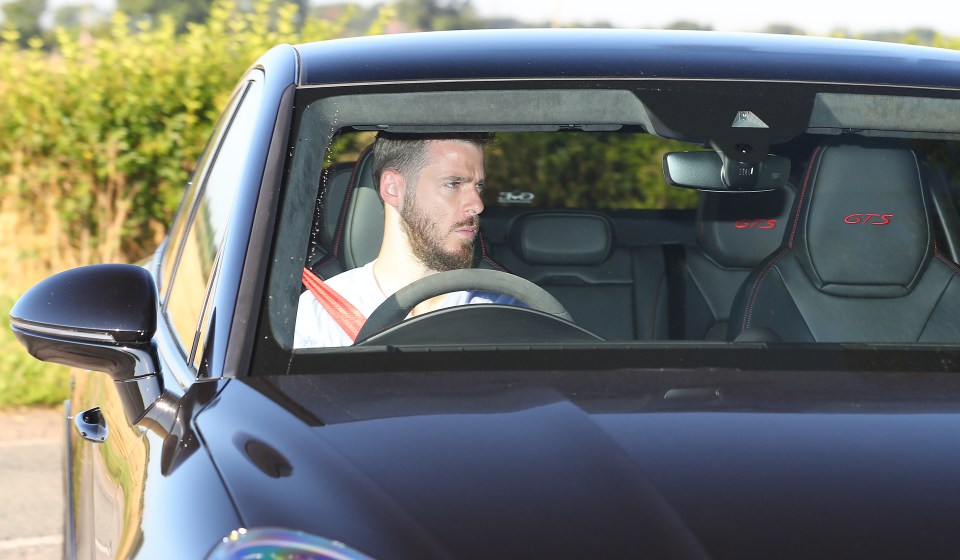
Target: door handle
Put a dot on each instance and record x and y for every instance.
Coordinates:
(91, 425)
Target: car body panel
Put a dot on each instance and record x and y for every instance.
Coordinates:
(130, 492)
(585, 53)
(592, 463)
(243, 265)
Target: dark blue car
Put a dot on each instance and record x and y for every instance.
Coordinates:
(730, 326)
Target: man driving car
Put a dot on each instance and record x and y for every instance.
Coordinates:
(430, 187)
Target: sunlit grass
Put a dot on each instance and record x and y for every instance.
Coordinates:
(24, 380)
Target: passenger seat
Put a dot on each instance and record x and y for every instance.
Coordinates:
(861, 263)
(684, 292)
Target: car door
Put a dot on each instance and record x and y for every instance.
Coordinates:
(114, 466)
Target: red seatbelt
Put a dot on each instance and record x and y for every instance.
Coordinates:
(343, 312)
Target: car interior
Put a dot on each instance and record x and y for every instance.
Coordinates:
(812, 258)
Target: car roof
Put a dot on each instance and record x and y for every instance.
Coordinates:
(622, 54)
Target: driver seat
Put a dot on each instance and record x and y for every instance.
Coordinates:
(859, 262)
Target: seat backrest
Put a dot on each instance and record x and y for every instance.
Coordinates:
(348, 221)
(688, 289)
(573, 255)
(859, 262)
(362, 217)
(333, 189)
(734, 233)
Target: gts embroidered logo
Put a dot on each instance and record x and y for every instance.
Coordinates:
(755, 224)
(872, 219)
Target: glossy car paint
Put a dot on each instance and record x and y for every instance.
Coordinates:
(571, 53)
(135, 490)
(599, 464)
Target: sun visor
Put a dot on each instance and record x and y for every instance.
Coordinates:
(481, 110)
(913, 116)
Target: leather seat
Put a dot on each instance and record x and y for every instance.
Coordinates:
(692, 287)
(623, 293)
(352, 215)
(335, 182)
(859, 262)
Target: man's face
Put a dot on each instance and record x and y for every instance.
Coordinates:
(441, 205)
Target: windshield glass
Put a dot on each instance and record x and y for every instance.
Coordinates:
(701, 216)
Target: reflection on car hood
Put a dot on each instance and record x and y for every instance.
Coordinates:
(598, 465)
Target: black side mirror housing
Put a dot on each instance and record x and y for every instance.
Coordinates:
(100, 317)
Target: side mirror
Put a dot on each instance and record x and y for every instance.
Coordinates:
(100, 317)
(711, 171)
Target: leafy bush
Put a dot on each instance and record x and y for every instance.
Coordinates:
(99, 134)
(23, 379)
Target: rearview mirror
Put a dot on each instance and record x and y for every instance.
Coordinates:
(710, 171)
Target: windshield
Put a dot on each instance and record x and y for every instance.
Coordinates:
(683, 215)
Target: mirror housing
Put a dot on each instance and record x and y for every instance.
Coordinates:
(712, 171)
(101, 317)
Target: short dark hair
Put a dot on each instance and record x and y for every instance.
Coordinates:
(406, 153)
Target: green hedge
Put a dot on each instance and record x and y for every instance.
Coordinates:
(23, 380)
(98, 135)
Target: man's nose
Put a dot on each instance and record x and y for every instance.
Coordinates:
(473, 204)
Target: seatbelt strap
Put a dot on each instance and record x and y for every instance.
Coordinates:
(343, 312)
(674, 255)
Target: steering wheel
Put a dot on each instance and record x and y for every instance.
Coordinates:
(396, 307)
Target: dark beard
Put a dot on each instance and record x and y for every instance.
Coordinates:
(426, 241)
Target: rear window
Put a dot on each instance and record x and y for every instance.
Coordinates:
(597, 170)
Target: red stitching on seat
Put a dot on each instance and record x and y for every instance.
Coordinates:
(351, 186)
(755, 289)
(950, 264)
(803, 192)
(488, 258)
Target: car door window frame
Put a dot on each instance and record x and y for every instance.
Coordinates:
(189, 343)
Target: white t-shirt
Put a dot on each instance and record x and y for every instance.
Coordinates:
(315, 327)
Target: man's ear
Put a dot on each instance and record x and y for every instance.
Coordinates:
(391, 187)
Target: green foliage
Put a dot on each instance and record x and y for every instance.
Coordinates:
(24, 380)
(99, 136)
(601, 170)
(437, 15)
(946, 42)
(181, 12)
(24, 17)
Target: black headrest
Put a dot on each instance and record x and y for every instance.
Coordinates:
(362, 223)
(738, 230)
(562, 238)
(335, 181)
(862, 226)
